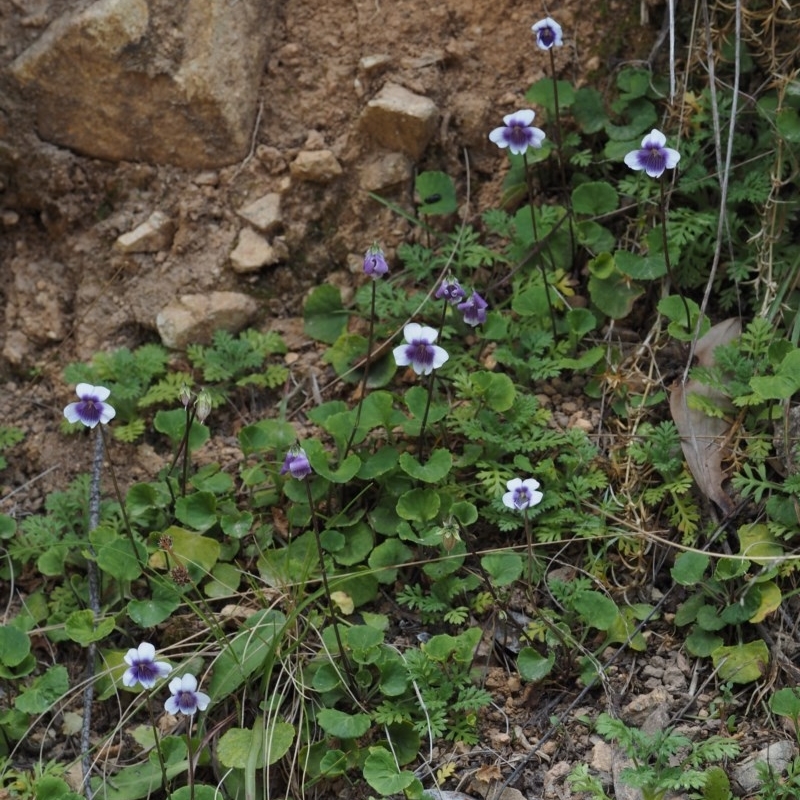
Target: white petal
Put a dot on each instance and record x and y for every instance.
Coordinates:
(146, 651)
(508, 500)
(84, 390)
(673, 157)
(513, 485)
(175, 685)
(498, 137)
(129, 677)
(523, 117)
(171, 706)
(412, 331)
(531, 484)
(100, 392)
(654, 139)
(538, 137)
(202, 700)
(188, 683)
(71, 413)
(400, 356)
(440, 355)
(632, 160)
(108, 413)
(427, 334)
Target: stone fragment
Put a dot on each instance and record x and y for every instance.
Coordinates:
(264, 213)
(316, 166)
(777, 755)
(194, 317)
(168, 83)
(373, 63)
(400, 120)
(386, 173)
(252, 252)
(152, 235)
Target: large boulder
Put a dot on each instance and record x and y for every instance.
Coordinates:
(162, 81)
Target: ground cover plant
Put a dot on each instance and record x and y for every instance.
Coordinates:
(232, 629)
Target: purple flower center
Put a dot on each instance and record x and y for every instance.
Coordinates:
(522, 497)
(145, 671)
(90, 409)
(653, 158)
(420, 352)
(547, 37)
(187, 702)
(518, 134)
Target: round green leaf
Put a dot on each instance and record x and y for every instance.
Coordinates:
(382, 773)
(418, 505)
(14, 645)
(432, 471)
(502, 568)
(533, 666)
(342, 725)
(741, 663)
(594, 198)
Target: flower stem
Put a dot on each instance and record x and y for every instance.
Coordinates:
(529, 185)
(367, 365)
(421, 440)
(164, 778)
(331, 609)
(121, 501)
(559, 150)
(663, 208)
(190, 775)
(529, 540)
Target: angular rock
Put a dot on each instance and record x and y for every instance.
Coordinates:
(777, 755)
(317, 166)
(253, 252)
(392, 170)
(400, 120)
(194, 317)
(173, 83)
(151, 236)
(264, 213)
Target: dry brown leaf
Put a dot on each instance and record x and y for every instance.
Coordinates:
(703, 438)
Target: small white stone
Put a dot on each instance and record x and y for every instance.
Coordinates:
(151, 236)
(264, 213)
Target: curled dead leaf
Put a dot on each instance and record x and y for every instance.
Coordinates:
(703, 437)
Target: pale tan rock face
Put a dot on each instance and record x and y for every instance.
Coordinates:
(143, 80)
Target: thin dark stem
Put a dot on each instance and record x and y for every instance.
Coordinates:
(666, 254)
(94, 604)
(367, 365)
(331, 609)
(121, 501)
(529, 186)
(190, 776)
(164, 778)
(560, 152)
(421, 440)
(529, 540)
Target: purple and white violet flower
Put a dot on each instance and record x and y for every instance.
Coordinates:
(522, 494)
(185, 697)
(451, 290)
(375, 262)
(91, 408)
(474, 310)
(296, 463)
(420, 352)
(654, 157)
(517, 133)
(548, 33)
(143, 667)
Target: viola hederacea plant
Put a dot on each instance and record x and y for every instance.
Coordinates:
(420, 352)
(654, 158)
(474, 310)
(91, 409)
(296, 463)
(548, 33)
(517, 133)
(450, 290)
(185, 698)
(522, 495)
(143, 667)
(375, 267)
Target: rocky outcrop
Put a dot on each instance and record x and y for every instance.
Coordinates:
(149, 80)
